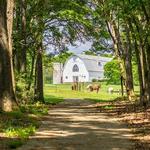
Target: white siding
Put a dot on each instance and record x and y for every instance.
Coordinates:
(57, 73)
(95, 75)
(68, 73)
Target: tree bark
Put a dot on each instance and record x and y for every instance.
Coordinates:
(144, 59)
(23, 34)
(123, 54)
(128, 64)
(39, 94)
(31, 72)
(7, 91)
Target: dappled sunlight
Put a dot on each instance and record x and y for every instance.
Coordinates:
(69, 127)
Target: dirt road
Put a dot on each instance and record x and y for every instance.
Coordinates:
(78, 125)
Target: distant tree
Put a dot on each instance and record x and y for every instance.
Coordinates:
(89, 52)
(62, 57)
(112, 72)
(107, 55)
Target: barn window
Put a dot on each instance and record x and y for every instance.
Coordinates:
(99, 63)
(75, 68)
(66, 77)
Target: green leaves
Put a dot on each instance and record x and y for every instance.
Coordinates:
(112, 72)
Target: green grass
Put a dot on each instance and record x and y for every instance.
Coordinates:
(17, 124)
(56, 93)
(20, 132)
(22, 123)
(37, 109)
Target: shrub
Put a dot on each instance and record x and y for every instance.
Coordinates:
(112, 72)
(94, 80)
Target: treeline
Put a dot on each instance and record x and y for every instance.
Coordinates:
(128, 25)
(28, 28)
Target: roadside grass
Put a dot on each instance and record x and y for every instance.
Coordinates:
(17, 124)
(38, 109)
(57, 93)
(20, 124)
(52, 100)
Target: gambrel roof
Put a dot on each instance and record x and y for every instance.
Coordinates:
(91, 62)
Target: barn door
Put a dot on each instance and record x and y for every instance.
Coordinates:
(75, 79)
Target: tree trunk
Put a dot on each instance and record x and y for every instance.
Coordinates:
(31, 72)
(39, 96)
(147, 84)
(137, 53)
(23, 34)
(7, 93)
(125, 62)
(128, 64)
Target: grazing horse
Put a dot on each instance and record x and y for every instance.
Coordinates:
(93, 87)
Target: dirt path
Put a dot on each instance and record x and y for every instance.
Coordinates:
(78, 125)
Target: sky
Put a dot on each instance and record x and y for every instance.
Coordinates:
(80, 47)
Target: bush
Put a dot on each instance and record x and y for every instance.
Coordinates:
(94, 80)
(112, 72)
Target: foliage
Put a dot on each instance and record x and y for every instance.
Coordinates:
(62, 57)
(107, 55)
(89, 52)
(23, 123)
(112, 72)
(18, 126)
(36, 109)
(20, 132)
(94, 80)
(24, 96)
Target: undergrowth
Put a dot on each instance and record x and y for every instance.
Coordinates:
(19, 125)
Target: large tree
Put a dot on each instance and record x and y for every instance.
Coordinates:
(7, 90)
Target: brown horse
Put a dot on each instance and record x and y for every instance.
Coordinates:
(93, 87)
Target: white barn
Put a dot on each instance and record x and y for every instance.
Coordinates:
(82, 68)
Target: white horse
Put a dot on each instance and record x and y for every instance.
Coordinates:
(110, 90)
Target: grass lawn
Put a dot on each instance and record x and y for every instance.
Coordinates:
(56, 93)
